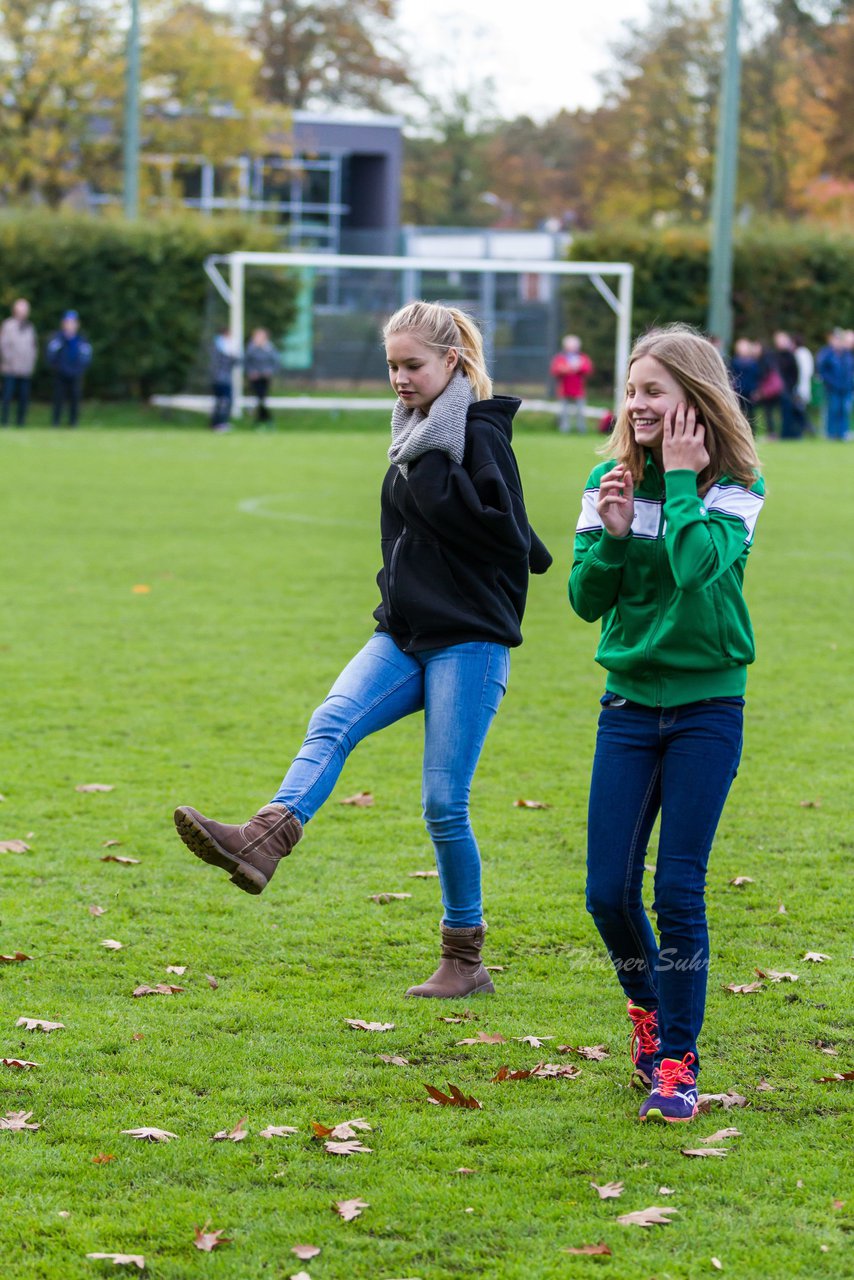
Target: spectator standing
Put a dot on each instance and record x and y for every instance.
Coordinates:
(745, 376)
(769, 393)
(69, 354)
(806, 371)
(792, 419)
(18, 354)
(262, 363)
(224, 357)
(835, 366)
(571, 368)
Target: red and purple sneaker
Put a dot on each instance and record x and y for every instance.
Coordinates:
(674, 1091)
(644, 1043)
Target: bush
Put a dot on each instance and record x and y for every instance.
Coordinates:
(143, 298)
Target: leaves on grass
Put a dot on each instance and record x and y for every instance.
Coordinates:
(277, 1131)
(17, 958)
(826, 1048)
(837, 1075)
(608, 1190)
(20, 1063)
(744, 988)
(494, 968)
(666, 1191)
(594, 1250)
(121, 860)
(102, 1158)
(388, 897)
(465, 1016)
(556, 1070)
(393, 1059)
(654, 1216)
(764, 1086)
(211, 981)
(362, 800)
(93, 786)
(111, 944)
(775, 975)
(39, 1024)
(179, 969)
(536, 1042)
(357, 1024)
(741, 881)
(340, 1132)
(151, 1135)
(237, 1134)
(592, 1052)
(350, 1148)
(350, 1209)
(305, 1251)
(463, 1169)
(432, 874)
(530, 804)
(162, 989)
(810, 804)
(705, 1151)
(121, 1259)
(95, 910)
(137, 1035)
(726, 1100)
(720, 1136)
(454, 1098)
(817, 957)
(484, 1037)
(17, 1121)
(110, 844)
(209, 1240)
(504, 1073)
(14, 846)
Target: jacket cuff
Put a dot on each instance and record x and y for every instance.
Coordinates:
(611, 550)
(680, 484)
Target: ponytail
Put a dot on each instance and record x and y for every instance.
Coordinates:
(444, 327)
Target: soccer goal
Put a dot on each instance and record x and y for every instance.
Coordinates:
(332, 356)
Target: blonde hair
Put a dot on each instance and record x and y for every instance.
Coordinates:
(444, 327)
(697, 365)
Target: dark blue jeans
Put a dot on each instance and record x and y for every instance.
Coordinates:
(679, 761)
(15, 390)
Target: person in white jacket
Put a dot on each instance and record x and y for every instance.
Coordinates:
(18, 352)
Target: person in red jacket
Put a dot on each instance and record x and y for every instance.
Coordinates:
(571, 368)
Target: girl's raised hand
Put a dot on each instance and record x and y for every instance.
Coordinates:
(616, 501)
(683, 445)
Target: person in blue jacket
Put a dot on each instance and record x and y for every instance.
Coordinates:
(835, 366)
(69, 354)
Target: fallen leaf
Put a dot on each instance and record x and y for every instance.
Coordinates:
(180, 969)
(162, 989)
(110, 844)
(608, 1190)
(745, 988)
(666, 1191)
(93, 786)
(704, 1151)
(717, 1264)
(726, 1100)
(810, 804)
(17, 1121)
(388, 897)
(432, 874)
(356, 1024)
(721, 1136)
(277, 1131)
(504, 1073)
(536, 1042)
(741, 881)
(764, 1086)
(305, 1251)
(151, 1135)
(495, 968)
(95, 910)
(17, 958)
(393, 1059)
(817, 957)
(237, 1134)
(465, 1016)
(826, 1048)
(600, 1249)
(774, 975)
(121, 860)
(121, 1259)
(137, 1035)
(111, 944)
(556, 1070)
(39, 1024)
(647, 1217)
(345, 1130)
(20, 1063)
(102, 1158)
(463, 1169)
(484, 1037)
(350, 1148)
(837, 1075)
(14, 846)
(455, 1098)
(530, 804)
(209, 1240)
(781, 910)
(362, 800)
(211, 981)
(593, 1053)
(350, 1209)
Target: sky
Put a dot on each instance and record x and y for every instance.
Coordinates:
(542, 54)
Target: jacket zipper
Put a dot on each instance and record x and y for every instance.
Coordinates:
(659, 548)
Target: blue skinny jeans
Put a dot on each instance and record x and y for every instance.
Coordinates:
(681, 762)
(459, 689)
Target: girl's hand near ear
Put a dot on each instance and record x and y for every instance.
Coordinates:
(683, 443)
(616, 501)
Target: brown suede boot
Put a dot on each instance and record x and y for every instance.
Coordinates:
(251, 852)
(460, 972)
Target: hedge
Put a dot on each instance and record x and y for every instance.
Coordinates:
(144, 300)
(793, 278)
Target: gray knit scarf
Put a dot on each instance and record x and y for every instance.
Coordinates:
(442, 427)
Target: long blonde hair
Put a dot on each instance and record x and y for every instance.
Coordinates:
(444, 327)
(697, 365)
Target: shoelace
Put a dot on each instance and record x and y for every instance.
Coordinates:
(644, 1038)
(667, 1078)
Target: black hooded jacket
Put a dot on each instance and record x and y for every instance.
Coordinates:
(456, 542)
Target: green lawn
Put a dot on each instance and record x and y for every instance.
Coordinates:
(260, 552)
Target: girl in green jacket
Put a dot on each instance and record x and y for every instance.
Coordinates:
(661, 545)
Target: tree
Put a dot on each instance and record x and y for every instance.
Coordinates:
(328, 52)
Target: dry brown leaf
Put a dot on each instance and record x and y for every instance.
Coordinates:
(17, 1121)
(356, 1024)
(495, 968)
(162, 989)
(741, 881)
(455, 1098)
(465, 1016)
(726, 1100)
(137, 1035)
(39, 1024)
(556, 1070)
(705, 1151)
(95, 910)
(350, 1209)
(14, 846)
(18, 957)
(504, 1073)
(536, 1042)
(212, 982)
(484, 1037)
(530, 804)
(121, 1259)
(151, 1135)
(826, 1048)
(362, 800)
(764, 1086)
(305, 1251)
(837, 1075)
(720, 1136)
(774, 975)
(121, 860)
(388, 897)
(340, 1132)
(93, 786)
(745, 988)
(592, 1052)
(208, 1240)
(237, 1134)
(594, 1250)
(432, 874)
(393, 1059)
(647, 1217)
(180, 969)
(20, 1063)
(608, 1190)
(111, 944)
(111, 844)
(810, 804)
(102, 1158)
(817, 957)
(350, 1148)
(277, 1131)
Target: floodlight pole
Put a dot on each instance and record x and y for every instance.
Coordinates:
(131, 130)
(719, 322)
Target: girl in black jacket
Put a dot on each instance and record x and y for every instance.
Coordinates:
(457, 548)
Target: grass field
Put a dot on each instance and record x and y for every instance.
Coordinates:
(259, 552)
